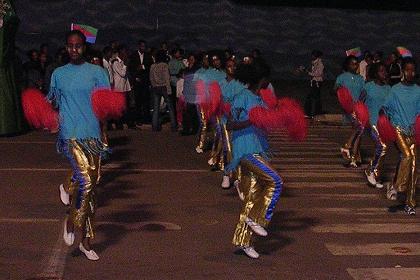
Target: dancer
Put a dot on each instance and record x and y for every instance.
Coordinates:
(202, 136)
(354, 83)
(250, 146)
(374, 96)
(230, 87)
(79, 138)
(402, 108)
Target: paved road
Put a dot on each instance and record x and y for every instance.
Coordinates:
(162, 215)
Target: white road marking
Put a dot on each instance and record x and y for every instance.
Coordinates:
(57, 260)
(369, 228)
(28, 220)
(374, 249)
(28, 142)
(326, 185)
(108, 168)
(402, 273)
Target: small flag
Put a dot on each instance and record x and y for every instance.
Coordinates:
(404, 52)
(89, 31)
(356, 52)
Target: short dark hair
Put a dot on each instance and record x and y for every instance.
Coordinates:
(161, 56)
(77, 33)
(347, 62)
(408, 60)
(374, 68)
(247, 74)
(317, 53)
(141, 41)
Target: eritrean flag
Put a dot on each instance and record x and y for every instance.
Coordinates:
(356, 52)
(89, 31)
(404, 52)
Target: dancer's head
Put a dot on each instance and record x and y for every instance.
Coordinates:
(76, 46)
(377, 72)
(351, 64)
(409, 70)
(230, 68)
(248, 75)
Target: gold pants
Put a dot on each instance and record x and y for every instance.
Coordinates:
(375, 165)
(405, 176)
(262, 186)
(203, 131)
(81, 186)
(353, 145)
(221, 152)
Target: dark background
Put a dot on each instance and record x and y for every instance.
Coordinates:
(285, 31)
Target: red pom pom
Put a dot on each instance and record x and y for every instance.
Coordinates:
(215, 99)
(417, 129)
(386, 130)
(38, 112)
(345, 99)
(362, 113)
(180, 107)
(108, 104)
(292, 117)
(288, 115)
(269, 98)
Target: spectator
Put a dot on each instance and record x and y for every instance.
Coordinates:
(394, 69)
(175, 65)
(106, 62)
(363, 65)
(32, 71)
(190, 122)
(121, 82)
(313, 104)
(139, 68)
(160, 81)
(61, 58)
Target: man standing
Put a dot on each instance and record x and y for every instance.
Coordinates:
(138, 68)
(175, 66)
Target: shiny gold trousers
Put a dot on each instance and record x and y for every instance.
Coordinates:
(405, 176)
(353, 143)
(221, 152)
(262, 187)
(81, 186)
(203, 131)
(376, 163)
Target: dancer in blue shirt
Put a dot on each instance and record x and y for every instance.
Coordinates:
(79, 138)
(402, 108)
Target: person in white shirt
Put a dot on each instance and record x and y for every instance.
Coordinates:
(106, 62)
(316, 75)
(364, 65)
(121, 82)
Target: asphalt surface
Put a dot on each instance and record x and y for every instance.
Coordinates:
(163, 215)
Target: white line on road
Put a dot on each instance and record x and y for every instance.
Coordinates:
(326, 185)
(57, 261)
(28, 220)
(374, 249)
(108, 168)
(28, 142)
(384, 273)
(369, 228)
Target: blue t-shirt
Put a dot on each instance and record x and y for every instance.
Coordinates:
(250, 140)
(230, 89)
(71, 89)
(376, 95)
(353, 82)
(403, 105)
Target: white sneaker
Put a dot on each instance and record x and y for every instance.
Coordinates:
(371, 178)
(250, 252)
(256, 227)
(64, 196)
(67, 236)
(391, 193)
(91, 255)
(211, 162)
(240, 194)
(225, 182)
(379, 186)
(345, 153)
(199, 150)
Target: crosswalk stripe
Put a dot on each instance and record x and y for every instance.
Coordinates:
(404, 273)
(326, 185)
(374, 249)
(368, 228)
